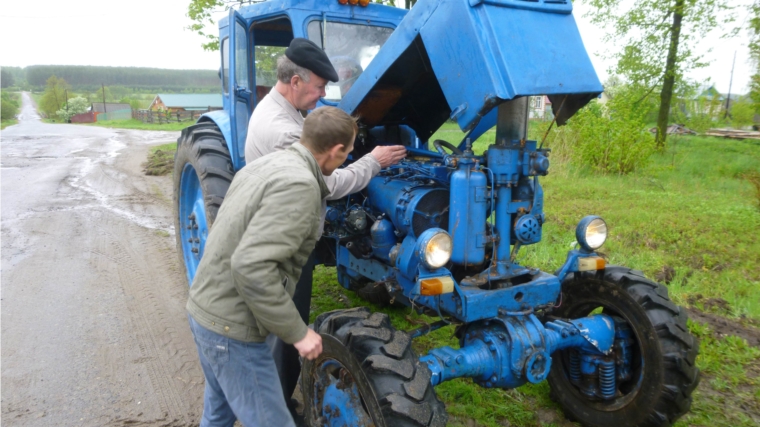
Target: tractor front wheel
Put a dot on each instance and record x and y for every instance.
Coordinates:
(663, 370)
(367, 375)
(203, 172)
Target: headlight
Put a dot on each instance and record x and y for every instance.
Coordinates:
(435, 248)
(591, 233)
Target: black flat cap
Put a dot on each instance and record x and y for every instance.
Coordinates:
(307, 54)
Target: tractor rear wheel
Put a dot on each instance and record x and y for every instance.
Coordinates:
(367, 375)
(663, 370)
(203, 172)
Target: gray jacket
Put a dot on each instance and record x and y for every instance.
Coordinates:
(264, 232)
(276, 125)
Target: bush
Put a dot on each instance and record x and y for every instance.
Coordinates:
(8, 106)
(742, 113)
(609, 138)
(76, 106)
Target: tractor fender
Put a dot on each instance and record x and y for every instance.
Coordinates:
(222, 120)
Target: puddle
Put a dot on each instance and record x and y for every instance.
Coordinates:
(105, 201)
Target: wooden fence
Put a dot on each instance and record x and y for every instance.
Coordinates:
(161, 117)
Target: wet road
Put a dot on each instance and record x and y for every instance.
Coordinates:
(92, 313)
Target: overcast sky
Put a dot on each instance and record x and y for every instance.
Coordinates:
(150, 33)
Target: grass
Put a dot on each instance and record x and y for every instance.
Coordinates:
(5, 123)
(160, 159)
(138, 124)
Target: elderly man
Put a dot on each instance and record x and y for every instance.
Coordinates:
(263, 235)
(302, 74)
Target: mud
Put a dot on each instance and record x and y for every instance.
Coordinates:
(94, 331)
(722, 326)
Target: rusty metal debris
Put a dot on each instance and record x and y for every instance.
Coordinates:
(676, 129)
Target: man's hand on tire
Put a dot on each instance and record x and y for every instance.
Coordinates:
(310, 346)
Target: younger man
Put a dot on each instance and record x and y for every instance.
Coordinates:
(265, 230)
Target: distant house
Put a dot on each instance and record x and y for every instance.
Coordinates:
(186, 102)
(540, 107)
(108, 107)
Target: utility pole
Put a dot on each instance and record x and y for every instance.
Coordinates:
(730, 83)
(66, 94)
(104, 97)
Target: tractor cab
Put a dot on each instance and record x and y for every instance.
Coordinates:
(252, 38)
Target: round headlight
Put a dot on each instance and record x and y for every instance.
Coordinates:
(591, 232)
(436, 249)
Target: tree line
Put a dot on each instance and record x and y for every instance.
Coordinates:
(90, 78)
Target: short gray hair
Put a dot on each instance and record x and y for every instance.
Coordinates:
(286, 69)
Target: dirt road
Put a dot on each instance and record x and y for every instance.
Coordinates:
(94, 330)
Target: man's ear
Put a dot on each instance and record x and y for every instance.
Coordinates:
(337, 148)
(294, 80)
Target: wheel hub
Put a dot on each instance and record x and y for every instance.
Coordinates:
(337, 398)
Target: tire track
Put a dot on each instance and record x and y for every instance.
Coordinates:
(163, 338)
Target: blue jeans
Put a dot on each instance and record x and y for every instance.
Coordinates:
(241, 382)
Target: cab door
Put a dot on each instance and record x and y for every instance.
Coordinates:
(239, 89)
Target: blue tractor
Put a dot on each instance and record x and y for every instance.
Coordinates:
(441, 231)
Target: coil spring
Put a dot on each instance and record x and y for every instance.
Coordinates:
(575, 367)
(607, 378)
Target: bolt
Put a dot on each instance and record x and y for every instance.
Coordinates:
(487, 339)
(190, 240)
(460, 359)
(493, 378)
(191, 217)
(197, 240)
(564, 333)
(492, 347)
(194, 250)
(488, 383)
(448, 362)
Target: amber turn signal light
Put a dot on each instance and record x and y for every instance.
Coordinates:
(436, 285)
(591, 264)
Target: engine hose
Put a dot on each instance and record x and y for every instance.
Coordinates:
(439, 144)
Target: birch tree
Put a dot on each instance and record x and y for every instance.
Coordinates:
(660, 39)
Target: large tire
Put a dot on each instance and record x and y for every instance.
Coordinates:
(393, 385)
(203, 172)
(664, 373)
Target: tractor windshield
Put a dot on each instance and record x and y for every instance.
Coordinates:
(350, 47)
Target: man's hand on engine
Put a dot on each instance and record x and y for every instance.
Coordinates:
(388, 155)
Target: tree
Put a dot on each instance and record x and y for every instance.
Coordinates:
(659, 37)
(77, 105)
(54, 96)
(6, 78)
(754, 52)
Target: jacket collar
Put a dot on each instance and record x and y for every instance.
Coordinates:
(287, 106)
(312, 162)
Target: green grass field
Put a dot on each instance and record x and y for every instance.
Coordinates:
(5, 123)
(139, 125)
(691, 220)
